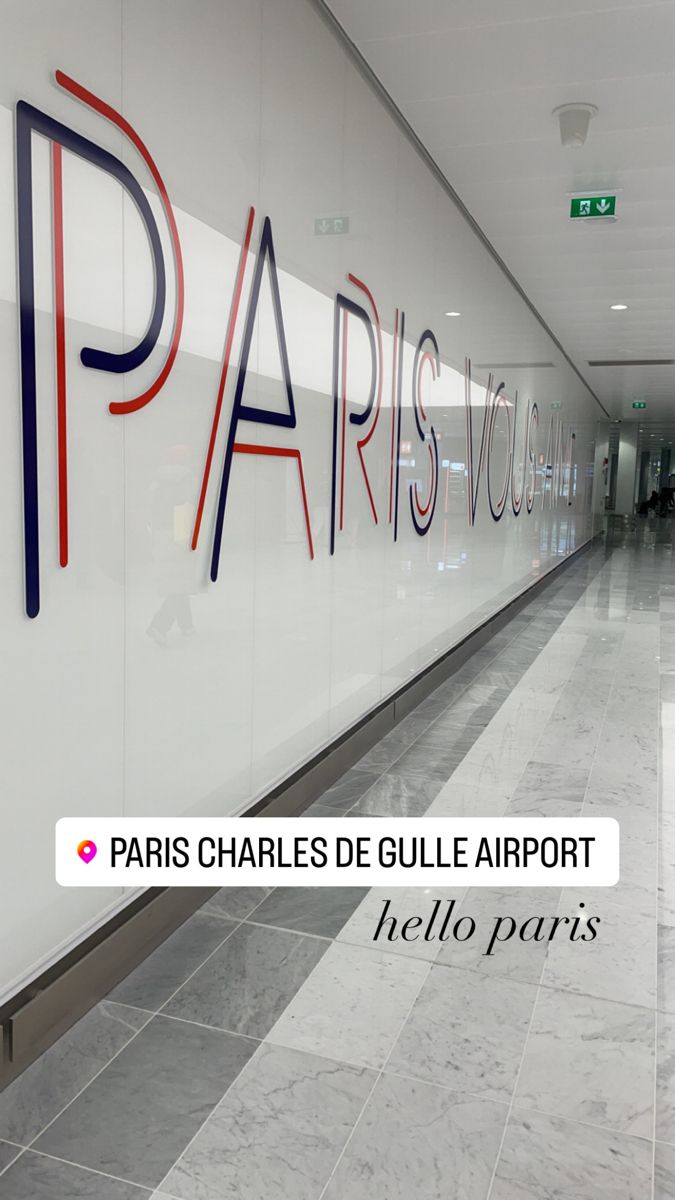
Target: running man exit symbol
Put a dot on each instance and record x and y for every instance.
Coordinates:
(592, 206)
(325, 226)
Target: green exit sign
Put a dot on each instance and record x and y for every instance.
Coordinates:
(592, 206)
(639, 404)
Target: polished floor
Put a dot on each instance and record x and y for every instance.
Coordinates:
(270, 1051)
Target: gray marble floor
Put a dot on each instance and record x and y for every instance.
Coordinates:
(272, 1050)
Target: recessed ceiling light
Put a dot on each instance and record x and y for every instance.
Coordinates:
(618, 307)
(453, 314)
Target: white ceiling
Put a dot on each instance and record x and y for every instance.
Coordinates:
(477, 80)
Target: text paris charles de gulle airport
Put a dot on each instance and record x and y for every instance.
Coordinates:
(434, 852)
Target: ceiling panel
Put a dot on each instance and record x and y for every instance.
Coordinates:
(477, 80)
(367, 19)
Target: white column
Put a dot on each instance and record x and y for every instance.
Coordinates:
(625, 480)
(600, 472)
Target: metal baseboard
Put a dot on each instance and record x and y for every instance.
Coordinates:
(35, 1018)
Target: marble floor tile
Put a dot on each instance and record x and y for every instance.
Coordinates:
(431, 904)
(236, 902)
(622, 742)
(513, 738)
(620, 962)
(416, 1140)
(638, 826)
(666, 968)
(476, 706)
(603, 648)
(466, 1031)
(668, 775)
(493, 676)
(381, 756)
(348, 789)
(548, 676)
(623, 782)
(571, 726)
(548, 790)
(158, 976)
(277, 1134)
(635, 889)
(634, 706)
(36, 1096)
(462, 797)
(455, 738)
(517, 658)
(466, 674)
(352, 1006)
(546, 1158)
(666, 895)
(521, 711)
(664, 1172)
(428, 763)
(247, 984)
(665, 1077)
(138, 1115)
(318, 910)
(35, 1177)
(486, 770)
(590, 1060)
(504, 913)
(438, 701)
(322, 810)
(396, 795)
(487, 656)
(8, 1152)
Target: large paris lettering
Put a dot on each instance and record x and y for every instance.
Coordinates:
(532, 425)
(30, 121)
(261, 416)
(396, 406)
(495, 398)
(517, 497)
(509, 484)
(528, 467)
(423, 514)
(367, 416)
(498, 505)
(474, 470)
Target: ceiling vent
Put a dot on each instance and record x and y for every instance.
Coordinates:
(631, 362)
(502, 366)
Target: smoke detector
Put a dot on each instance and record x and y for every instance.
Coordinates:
(574, 120)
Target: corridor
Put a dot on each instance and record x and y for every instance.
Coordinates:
(270, 1049)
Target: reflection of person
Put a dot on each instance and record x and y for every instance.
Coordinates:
(171, 513)
(666, 500)
(647, 504)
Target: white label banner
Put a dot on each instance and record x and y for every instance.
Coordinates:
(311, 851)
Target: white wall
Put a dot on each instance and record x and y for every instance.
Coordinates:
(240, 103)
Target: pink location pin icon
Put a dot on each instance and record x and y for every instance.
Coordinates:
(87, 851)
